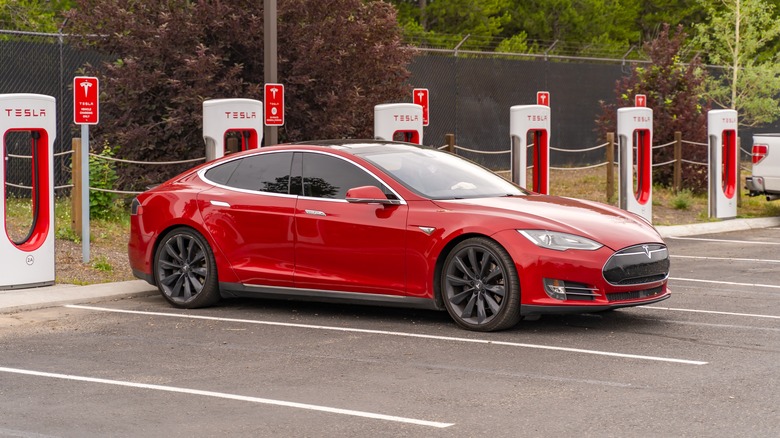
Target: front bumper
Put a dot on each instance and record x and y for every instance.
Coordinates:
(580, 279)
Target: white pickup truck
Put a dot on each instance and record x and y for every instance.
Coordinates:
(765, 180)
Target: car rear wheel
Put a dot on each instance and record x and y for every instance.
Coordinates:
(185, 270)
(480, 286)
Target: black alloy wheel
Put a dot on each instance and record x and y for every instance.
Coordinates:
(480, 286)
(185, 270)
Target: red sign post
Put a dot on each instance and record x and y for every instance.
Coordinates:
(543, 98)
(86, 103)
(640, 100)
(274, 105)
(420, 97)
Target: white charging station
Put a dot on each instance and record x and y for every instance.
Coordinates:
(529, 127)
(723, 159)
(225, 119)
(29, 262)
(635, 160)
(399, 121)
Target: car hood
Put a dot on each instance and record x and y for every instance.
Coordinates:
(603, 223)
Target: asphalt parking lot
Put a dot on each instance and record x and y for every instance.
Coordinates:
(706, 362)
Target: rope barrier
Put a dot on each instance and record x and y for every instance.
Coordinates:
(580, 150)
(579, 168)
(694, 143)
(694, 162)
(146, 162)
(460, 148)
(663, 164)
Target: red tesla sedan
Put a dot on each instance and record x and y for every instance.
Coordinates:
(389, 223)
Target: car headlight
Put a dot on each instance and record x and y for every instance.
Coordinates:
(559, 241)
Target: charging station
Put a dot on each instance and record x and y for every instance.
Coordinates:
(399, 122)
(29, 119)
(529, 127)
(635, 160)
(231, 125)
(723, 159)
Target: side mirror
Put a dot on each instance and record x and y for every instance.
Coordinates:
(369, 195)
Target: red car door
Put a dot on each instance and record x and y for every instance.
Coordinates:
(250, 215)
(342, 246)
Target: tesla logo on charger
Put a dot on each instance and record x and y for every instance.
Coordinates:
(86, 103)
(406, 118)
(644, 119)
(640, 100)
(536, 118)
(274, 104)
(25, 112)
(729, 120)
(240, 115)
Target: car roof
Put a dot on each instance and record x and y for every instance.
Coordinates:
(357, 146)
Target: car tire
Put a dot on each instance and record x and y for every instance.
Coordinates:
(185, 270)
(480, 286)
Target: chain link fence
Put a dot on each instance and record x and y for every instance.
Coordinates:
(41, 64)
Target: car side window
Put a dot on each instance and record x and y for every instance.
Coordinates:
(268, 172)
(325, 176)
(221, 174)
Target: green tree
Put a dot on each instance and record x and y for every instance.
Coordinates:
(33, 15)
(674, 91)
(445, 23)
(736, 36)
(337, 59)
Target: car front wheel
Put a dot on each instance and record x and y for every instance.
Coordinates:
(480, 286)
(185, 270)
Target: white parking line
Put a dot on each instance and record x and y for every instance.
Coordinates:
(712, 312)
(741, 242)
(409, 335)
(230, 397)
(730, 283)
(728, 259)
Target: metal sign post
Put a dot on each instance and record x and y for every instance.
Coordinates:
(86, 111)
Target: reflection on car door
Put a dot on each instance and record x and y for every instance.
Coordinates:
(342, 246)
(250, 215)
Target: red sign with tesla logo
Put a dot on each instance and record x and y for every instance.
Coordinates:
(543, 98)
(420, 97)
(274, 104)
(640, 100)
(86, 104)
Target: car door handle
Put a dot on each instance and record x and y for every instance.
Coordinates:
(219, 203)
(315, 212)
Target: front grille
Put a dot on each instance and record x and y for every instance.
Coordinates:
(635, 295)
(639, 264)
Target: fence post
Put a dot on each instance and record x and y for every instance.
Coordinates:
(449, 140)
(75, 193)
(677, 178)
(610, 167)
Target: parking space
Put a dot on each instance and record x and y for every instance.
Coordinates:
(703, 363)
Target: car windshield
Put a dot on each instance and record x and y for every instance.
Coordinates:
(439, 175)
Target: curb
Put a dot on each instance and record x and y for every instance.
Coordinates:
(16, 300)
(718, 227)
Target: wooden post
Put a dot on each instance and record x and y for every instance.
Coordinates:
(610, 167)
(449, 139)
(75, 193)
(677, 178)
